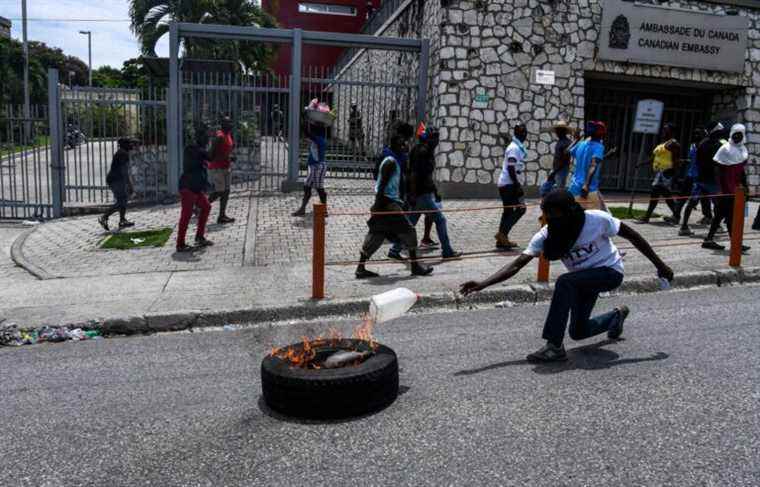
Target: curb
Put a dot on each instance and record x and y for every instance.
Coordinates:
(508, 296)
(18, 257)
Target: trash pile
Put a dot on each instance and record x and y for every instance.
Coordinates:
(11, 335)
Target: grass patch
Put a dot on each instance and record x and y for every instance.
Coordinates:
(134, 240)
(621, 213)
(39, 141)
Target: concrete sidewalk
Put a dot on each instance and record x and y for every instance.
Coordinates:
(260, 267)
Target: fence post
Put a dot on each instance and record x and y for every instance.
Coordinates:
(294, 112)
(56, 143)
(318, 252)
(737, 229)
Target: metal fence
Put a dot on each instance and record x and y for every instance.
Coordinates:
(366, 111)
(371, 27)
(258, 105)
(25, 190)
(92, 121)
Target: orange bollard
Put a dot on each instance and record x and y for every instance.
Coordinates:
(737, 229)
(318, 252)
(543, 268)
(543, 262)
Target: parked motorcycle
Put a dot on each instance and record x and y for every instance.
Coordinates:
(74, 137)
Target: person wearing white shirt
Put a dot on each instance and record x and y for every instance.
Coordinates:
(583, 241)
(510, 187)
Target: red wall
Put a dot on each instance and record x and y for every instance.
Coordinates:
(288, 17)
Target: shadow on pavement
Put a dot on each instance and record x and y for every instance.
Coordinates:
(267, 411)
(588, 357)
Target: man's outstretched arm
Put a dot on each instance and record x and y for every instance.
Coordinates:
(501, 275)
(643, 246)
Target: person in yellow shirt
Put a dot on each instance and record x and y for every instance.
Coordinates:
(664, 162)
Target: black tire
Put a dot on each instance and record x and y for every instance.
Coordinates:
(331, 393)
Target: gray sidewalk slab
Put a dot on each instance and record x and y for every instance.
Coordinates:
(263, 261)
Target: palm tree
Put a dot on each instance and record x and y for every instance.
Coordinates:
(150, 22)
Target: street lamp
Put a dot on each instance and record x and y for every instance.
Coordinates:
(89, 50)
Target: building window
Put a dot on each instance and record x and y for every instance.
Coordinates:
(327, 9)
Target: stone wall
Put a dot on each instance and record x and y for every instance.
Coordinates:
(493, 48)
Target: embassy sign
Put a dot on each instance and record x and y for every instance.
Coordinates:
(672, 37)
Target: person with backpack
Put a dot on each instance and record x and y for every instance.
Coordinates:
(120, 182)
(582, 239)
(394, 226)
(193, 185)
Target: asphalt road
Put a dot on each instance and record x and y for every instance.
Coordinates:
(675, 403)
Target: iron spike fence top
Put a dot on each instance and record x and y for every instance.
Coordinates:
(285, 36)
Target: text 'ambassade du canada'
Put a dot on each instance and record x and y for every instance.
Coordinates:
(685, 31)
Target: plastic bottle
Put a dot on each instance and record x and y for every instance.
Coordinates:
(391, 304)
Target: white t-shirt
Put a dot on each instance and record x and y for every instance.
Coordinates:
(513, 152)
(594, 247)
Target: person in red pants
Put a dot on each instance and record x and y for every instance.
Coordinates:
(193, 185)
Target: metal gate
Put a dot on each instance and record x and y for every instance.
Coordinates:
(267, 110)
(92, 120)
(25, 190)
(615, 102)
(257, 103)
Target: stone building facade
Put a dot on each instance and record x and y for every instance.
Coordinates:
(485, 55)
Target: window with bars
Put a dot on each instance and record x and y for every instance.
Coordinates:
(327, 9)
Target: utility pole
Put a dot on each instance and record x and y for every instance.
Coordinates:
(89, 51)
(27, 114)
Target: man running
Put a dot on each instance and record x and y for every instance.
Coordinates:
(220, 169)
(120, 182)
(394, 227)
(561, 166)
(583, 240)
(730, 159)
(690, 188)
(706, 184)
(317, 165)
(193, 185)
(423, 194)
(664, 162)
(588, 155)
(510, 186)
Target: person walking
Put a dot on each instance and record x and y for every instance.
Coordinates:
(706, 183)
(510, 186)
(278, 122)
(423, 193)
(583, 241)
(395, 226)
(193, 185)
(562, 159)
(220, 169)
(664, 160)
(589, 155)
(317, 165)
(355, 130)
(690, 188)
(731, 159)
(120, 182)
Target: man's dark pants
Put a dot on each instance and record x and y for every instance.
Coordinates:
(510, 198)
(575, 295)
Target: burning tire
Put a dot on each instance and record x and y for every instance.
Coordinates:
(329, 393)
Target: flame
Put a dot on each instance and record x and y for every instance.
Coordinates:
(302, 356)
